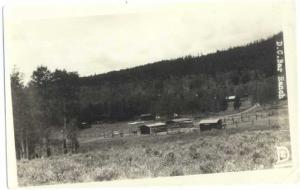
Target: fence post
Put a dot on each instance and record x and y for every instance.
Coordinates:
(253, 122)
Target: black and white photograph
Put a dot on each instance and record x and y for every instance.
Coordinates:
(130, 91)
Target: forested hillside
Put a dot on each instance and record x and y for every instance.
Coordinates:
(60, 100)
(184, 85)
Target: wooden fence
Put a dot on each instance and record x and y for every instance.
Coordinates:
(263, 118)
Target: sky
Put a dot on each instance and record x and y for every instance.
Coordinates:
(98, 39)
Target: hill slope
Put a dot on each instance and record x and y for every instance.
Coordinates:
(183, 85)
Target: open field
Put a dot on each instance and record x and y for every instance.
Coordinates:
(245, 146)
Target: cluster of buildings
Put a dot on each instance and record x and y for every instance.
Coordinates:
(151, 125)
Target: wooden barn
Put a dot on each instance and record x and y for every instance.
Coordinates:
(180, 123)
(134, 126)
(153, 128)
(214, 123)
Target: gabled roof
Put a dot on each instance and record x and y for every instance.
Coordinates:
(158, 124)
(136, 122)
(209, 121)
(181, 120)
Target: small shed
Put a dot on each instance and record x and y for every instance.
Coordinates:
(134, 126)
(230, 102)
(153, 128)
(180, 123)
(213, 123)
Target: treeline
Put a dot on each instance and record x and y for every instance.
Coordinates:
(184, 85)
(49, 103)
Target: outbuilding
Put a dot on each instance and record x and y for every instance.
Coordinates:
(213, 123)
(134, 126)
(153, 128)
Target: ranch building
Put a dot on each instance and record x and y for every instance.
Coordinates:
(134, 126)
(207, 124)
(153, 128)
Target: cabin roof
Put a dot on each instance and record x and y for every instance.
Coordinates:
(158, 124)
(136, 122)
(180, 120)
(230, 97)
(209, 121)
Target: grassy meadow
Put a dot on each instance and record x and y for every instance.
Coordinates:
(246, 147)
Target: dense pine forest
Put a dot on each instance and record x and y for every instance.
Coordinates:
(184, 85)
(60, 100)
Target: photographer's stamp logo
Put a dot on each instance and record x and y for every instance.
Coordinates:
(283, 156)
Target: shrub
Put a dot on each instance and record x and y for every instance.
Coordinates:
(275, 126)
(257, 157)
(193, 152)
(66, 170)
(176, 172)
(207, 167)
(148, 150)
(156, 153)
(169, 159)
(105, 174)
(229, 167)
